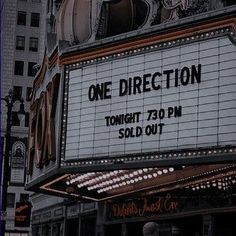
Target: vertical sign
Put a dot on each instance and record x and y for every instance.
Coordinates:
(22, 214)
(18, 152)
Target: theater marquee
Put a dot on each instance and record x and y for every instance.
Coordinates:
(180, 97)
(136, 114)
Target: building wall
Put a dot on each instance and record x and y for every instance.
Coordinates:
(11, 29)
(8, 41)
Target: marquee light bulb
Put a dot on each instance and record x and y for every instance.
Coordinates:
(165, 171)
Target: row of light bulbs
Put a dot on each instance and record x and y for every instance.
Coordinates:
(102, 182)
(133, 178)
(222, 184)
(207, 152)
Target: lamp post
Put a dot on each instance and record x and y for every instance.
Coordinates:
(10, 100)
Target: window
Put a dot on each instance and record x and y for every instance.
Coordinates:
(15, 119)
(31, 70)
(21, 18)
(17, 92)
(27, 119)
(28, 93)
(11, 200)
(20, 42)
(19, 67)
(24, 197)
(35, 19)
(33, 44)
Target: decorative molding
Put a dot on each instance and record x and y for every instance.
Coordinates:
(148, 42)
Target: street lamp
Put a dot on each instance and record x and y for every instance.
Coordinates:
(10, 100)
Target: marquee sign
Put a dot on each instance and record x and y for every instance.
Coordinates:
(176, 202)
(144, 207)
(155, 100)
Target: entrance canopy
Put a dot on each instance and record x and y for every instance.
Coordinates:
(138, 113)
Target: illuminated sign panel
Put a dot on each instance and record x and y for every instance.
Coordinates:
(179, 97)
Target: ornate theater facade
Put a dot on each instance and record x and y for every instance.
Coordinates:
(134, 108)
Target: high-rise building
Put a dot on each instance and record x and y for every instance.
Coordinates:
(23, 33)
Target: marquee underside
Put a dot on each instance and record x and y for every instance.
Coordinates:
(106, 185)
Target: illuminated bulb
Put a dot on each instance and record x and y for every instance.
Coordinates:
(165, 171)
(171, 169)
(159, 172)
(149, 176)
(145, 177)
(140, 172)
(154, 175)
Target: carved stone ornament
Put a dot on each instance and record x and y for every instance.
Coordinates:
(79, 21)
